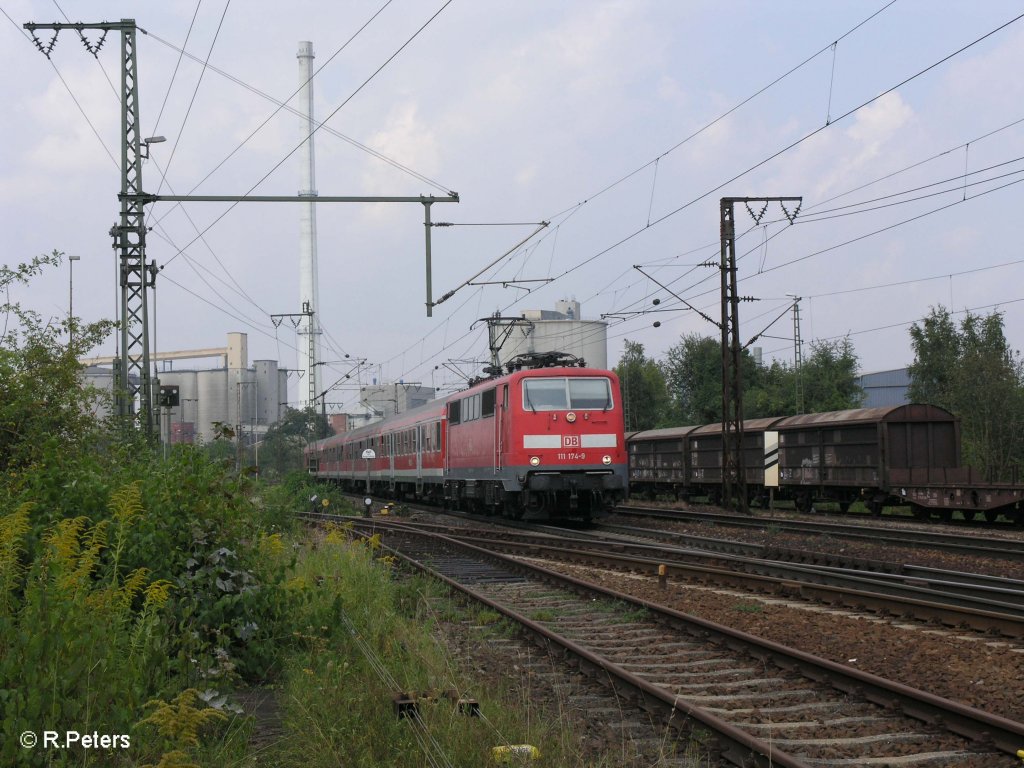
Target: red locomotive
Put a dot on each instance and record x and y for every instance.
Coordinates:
(544, 441)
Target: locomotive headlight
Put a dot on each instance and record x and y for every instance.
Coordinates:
(606, 459)
(570, 417)
(534, 461)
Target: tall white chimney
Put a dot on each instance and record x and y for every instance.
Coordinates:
(309, 328)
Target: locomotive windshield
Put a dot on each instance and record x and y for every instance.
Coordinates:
(564, 393)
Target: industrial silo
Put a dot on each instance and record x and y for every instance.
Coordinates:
(559, 330)
(212, 390)
(102, 380)
(268, 393)
(242, 397)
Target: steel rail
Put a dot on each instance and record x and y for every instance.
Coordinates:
(910, 602)
(734, 744)
(974, 724)
(938, 595)
(942, 581)
(1006, 548)
(983, 603)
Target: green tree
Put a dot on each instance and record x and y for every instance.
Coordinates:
(937, 344)
(644, 391)
(972, 371)
(282, 448)
(773, 394)
(42, 401)
(829, 377)
(693, 370)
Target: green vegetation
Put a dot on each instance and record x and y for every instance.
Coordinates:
(366, 638)
(281, 451)
(644, 389)
(543, 615)
(686, 387)
(972, 371)
(748, 608)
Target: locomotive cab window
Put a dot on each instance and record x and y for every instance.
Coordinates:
(560, 394)
(454, 412)
(590, 394)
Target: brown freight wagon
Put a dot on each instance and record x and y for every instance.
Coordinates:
(905, 454)
(658, 462)
(705, 459)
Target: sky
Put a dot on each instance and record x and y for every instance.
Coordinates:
(620, 123)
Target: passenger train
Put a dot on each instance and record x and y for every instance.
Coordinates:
(542, 441)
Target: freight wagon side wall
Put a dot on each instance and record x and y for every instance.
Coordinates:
(833, 455)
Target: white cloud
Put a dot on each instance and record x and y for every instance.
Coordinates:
(67, 143)
(877, 122)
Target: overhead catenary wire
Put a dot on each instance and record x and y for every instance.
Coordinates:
(280, 105)
(778, 153)
(935, 156)
(719, 118)
(786, 149)
(326, 128)
(337, 109)
(162, 232)
(572, 210)
(177, 66)
(864, 236)
(78, 104)
(903, 323)
(884, 229)
(195, 92)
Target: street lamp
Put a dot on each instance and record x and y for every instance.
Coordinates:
(71, 297)
(151, 140)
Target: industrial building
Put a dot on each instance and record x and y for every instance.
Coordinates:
(237, 395)
(247, 398)
(544, 330)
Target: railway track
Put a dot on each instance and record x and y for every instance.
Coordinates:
(959, 606)
(1007, 548)
(954, 599)
(764, 704)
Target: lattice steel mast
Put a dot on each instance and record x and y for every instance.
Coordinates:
(132, 372)
(734, 481)
(798, 356)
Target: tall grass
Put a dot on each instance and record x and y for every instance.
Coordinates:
(368, 637)
(81, 646)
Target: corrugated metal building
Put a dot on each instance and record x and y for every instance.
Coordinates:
(885, 388)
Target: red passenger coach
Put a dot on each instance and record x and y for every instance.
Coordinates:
(539, 443)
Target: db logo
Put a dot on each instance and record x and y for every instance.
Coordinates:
(570, 441)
